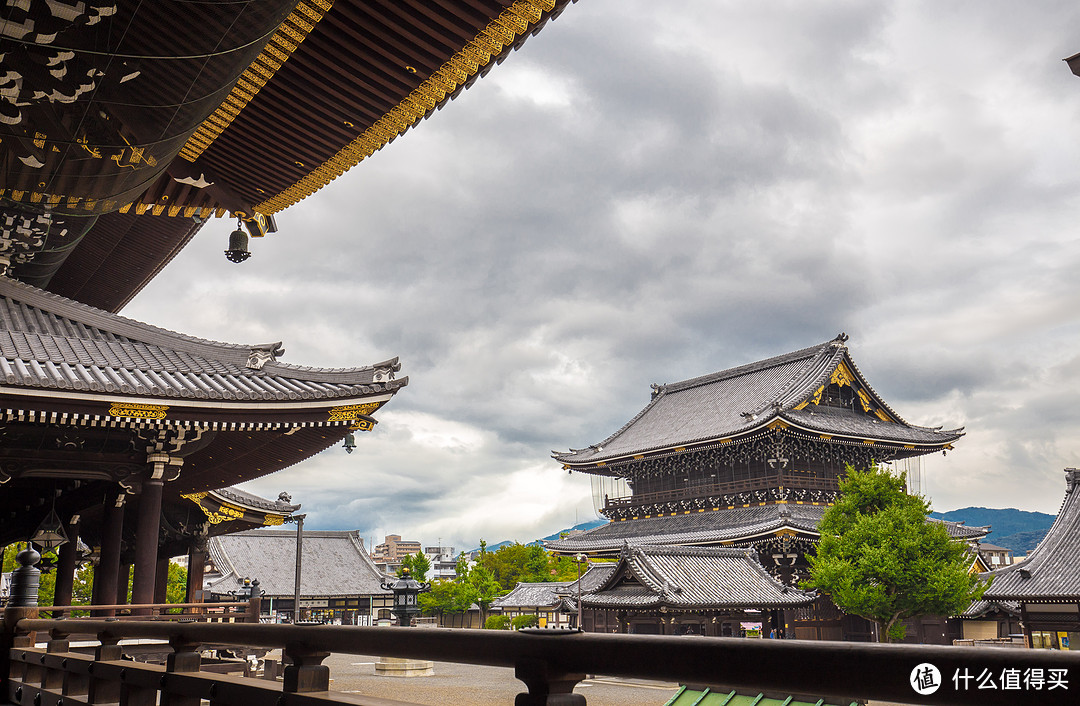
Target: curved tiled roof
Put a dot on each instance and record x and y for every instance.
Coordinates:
(714, 527)
(693, 529)
(748, 398)
(978, 609)
(693, 578)
(48, 342)
(592, 579)
(837, 421)
(335, 563)
(958, 530)
(1051, 572)
(532, 595)
(246, 499)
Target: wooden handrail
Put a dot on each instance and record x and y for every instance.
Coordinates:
(130, 606)
(549, 661)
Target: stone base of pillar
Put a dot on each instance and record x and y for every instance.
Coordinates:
(398, 667)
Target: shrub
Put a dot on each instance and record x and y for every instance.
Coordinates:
(497, 622)
(524, 621)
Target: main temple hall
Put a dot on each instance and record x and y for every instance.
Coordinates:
(746, 457)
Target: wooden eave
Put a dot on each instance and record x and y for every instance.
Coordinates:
(332, 63)
(68, 407)
(719, 441)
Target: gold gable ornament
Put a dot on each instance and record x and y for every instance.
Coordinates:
(138, 411)
(352, 412)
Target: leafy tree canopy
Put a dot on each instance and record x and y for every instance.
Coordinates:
(880, 558)
(418, 565)
(515, 563)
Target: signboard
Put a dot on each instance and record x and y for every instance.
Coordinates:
(314, 602)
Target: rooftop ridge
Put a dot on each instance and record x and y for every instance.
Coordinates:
(242, 496)
(746, 369)
(800, 386)
(135, 333)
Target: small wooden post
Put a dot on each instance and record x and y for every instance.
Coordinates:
(58, 642)
(254, 603)
(185, 657)
(307, 672)
(105, 691)
(547, 687)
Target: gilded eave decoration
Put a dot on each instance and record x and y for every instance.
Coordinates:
(226, 511)
(513, 22)
(289, 36)
(843, 376)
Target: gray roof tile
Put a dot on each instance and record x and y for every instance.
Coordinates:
(713, 527)
(47, 342)
(1051, 571)
(693, 578)
(980, 608)
(746, 398)
(532, 595)
(591, 580)
(334, 563)
(696, 528)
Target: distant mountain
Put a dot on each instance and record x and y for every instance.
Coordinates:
(1021, 543)
(1018, 530)
(582, 526)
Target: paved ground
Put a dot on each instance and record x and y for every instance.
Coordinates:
(469, 685)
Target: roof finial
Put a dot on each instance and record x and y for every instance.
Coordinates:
(841, 338)
(260, 355)
(1072, 476)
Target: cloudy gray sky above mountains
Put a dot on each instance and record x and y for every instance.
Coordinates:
(648, 192)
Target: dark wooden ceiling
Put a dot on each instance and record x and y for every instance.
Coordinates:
(336, 82)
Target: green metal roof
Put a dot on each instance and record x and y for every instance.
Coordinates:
(709, 697)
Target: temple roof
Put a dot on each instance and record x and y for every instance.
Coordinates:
(959, 530)
(693, 578)
(785, 390)
(532, 595)
(186, 98)
(714, 527)
(1051, 572)
(697, 528)
(592, 579)
(335, 563)
(979, 609)
(50, 345)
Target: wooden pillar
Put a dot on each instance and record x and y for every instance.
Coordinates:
(105, 577)
(196, 570)
(147, 529)
(65, 568)
(161, 582)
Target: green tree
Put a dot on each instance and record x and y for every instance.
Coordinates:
(514, 563)
(483, 589)
(417, 564)
(880, 558)
(9, 556)
(445, 597)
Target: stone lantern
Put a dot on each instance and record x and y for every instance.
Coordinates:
(406, 590)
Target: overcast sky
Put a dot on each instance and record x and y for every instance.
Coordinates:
(649, 192)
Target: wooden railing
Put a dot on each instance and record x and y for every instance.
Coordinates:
(691, 492)
(549, 662)
(229, 612)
